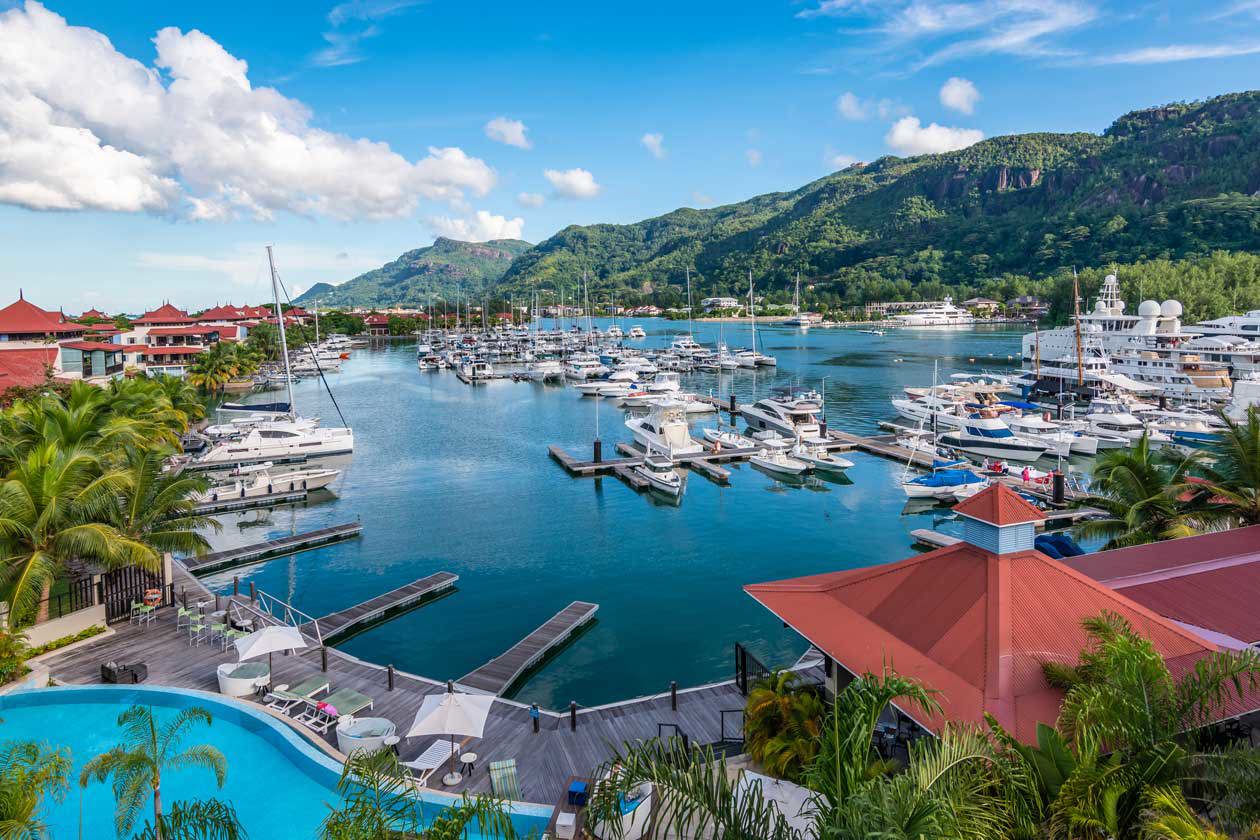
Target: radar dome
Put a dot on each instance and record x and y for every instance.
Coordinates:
(1148, 309)
(1119, 306)
(1111, 278)
(1170, 309)
(1100, 307)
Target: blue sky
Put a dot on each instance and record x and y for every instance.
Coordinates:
(157, 163)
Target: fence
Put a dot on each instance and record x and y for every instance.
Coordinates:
(748, 669)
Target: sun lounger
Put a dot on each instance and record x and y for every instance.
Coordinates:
(284, 699)
(503, 780)
(438, 754)
(321, 715)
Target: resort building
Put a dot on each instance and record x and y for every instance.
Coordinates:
(29, 336)
(376, 324)
(715, 303)
(982, 306)
(977, 619)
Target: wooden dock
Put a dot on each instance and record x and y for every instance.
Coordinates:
(225, 505)
(355, 619)
(933, 539)
(499, 674)
(229, 558)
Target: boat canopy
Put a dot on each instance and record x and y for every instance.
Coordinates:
(1021, 405)
(947, 478)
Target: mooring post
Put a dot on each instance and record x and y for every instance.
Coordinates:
(216, 602)
(573, 715)
(183, 597)
(533, 715)
(731, 409)
(252, 591)
(450, 686)
(323, 659)
(236, 584)
(1060, 487)
(598, 451)
(389, 673)
(673, 694)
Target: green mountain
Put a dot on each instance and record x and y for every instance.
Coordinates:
(443, 270)
(1167, 183)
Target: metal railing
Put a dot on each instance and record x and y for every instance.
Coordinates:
(277, 610)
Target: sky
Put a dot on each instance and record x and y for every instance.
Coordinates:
(149, 150)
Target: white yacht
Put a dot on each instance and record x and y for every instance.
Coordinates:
(1058, 441)
(793, 417)
(665, 430)
(778, 461)
(1246, 397)
(944, 314)
(637, 332)
(241, 426)
(277, 443)
(1113, 417)
(665, 382)
(262, 483)
(476, 370)
(660, 474)
(819, 458)
(729, 439)
(685, 345)
(945, 414)
(804, 320)
(615, 332)
(991, 438)
(585, 367)
(545, 370)
(1245, 326)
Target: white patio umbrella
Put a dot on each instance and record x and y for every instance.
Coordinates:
(453, 713)
(268, 640)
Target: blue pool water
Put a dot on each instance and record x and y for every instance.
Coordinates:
(280, 785)
(451, 477)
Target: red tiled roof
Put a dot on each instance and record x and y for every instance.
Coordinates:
(23, 368)
(89, 346)
(173, 350)
(94, 313)
(22, 316)
(1209, 581)
(376, 320)
(972, 624)
(191, 330)
(164, 314)
(999, 505)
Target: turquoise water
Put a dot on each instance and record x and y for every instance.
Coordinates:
(450, 477)
(280, 786)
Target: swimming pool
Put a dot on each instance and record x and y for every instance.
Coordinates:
(280, 785)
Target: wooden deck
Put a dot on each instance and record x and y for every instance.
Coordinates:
(545, 760)
(219, 560)
(354, 619)
(499, 674)
(271, 500)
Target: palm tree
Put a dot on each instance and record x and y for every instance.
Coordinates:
(53, 510)
(213, 368)
(1137, 488)
(149, 749)
(1229, 486)
(378, 803)
(783, 724)
(156, 508)
(30, 774)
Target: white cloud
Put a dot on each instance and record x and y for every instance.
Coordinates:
(509, 132)
(83, 126)
(483, 226)
(910, 137)
(960, 95)
(529, 199)
(353, 23)
(837, 160)
(368, 10)
(654, 143)
(573, 183)
(701, 199)
(753, 156)
(851, 107)
(245, 266)
(1176, 52)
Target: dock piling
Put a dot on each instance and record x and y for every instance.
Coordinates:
(323, 659)
(533, 714)
(597, 451)
(1060, 487)
(253, 592)
(673, 695)
(389, 676)
(573, 716)
(236, 585)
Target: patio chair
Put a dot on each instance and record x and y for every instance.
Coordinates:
(424, 765)
(503, 780)
(142, 613)
(185, 616)
(218, 630)
(282, 698)
(197, 631)
(321, 715)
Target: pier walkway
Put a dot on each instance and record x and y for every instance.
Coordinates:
(270, 500)
(500, 673)
(229, 558)
(394, 602)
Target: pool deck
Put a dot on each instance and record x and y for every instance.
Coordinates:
(545, 760)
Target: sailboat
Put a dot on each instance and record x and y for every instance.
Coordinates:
(751, 358)
(804, 320)
(277, 442)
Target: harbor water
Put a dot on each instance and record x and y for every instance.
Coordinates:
(448, 477)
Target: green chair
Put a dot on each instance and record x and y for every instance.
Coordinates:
(503, 780)
(142, 613)
(185, 616)
(219, 631)
(197, 631)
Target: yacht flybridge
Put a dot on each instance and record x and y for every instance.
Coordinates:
(991, 438)
(664, 430)
(794, 417)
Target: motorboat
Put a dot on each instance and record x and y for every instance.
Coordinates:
(991, 438)
(770, 439)
(660, 474)
(545, 370)
(278, 443)
(665, 382)
(873, 332)
(585, 367)
(791, 416)
(685, 345)
(819, 458)
(261, 484)
(944, 314)
(637, 332)
(616, 389)
(664, 430)
(693, 402)
(1058, 441)
(930, 410)
(747, 358)
(729, 439)
(1113, 417)
(476, 370)
(944, 483)
(589, 387)
(777, 460)
(615, 332)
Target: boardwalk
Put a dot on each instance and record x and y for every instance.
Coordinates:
(357, 618)
(545, 759)
(270, 500)
(219, 560)
(498, 675)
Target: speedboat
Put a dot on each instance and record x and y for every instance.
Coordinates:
(616, 389)
(585, 367)
(991, 438)
(729, 439)
(817, 456)
(545, 370)
(771, 439)
(660, 473)
(260, 484)
(1112, 417)
(793, 416)
(665, 382)
(264, 444)
(637, 332)
(1058, 440)
(665, 430)
(944, 483)
(776, 460)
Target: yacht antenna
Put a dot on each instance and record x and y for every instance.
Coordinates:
(284, 342)
(752, 312)
(691, 326)
(1076, 308)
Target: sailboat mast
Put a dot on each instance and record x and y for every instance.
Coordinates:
(752, 314)
(1076, 307)
(691, 325)
(284, 342)
(316, 322)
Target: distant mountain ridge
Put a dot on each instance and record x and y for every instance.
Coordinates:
(444, 269)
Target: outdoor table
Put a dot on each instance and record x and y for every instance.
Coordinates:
(469, 760)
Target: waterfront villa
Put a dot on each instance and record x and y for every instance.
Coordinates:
(977, 619)
(376, 324)
(28, 344)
